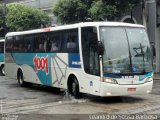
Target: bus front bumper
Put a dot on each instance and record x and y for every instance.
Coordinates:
(108, 89)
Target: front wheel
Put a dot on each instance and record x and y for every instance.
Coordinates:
(20, 79)
(75, 88)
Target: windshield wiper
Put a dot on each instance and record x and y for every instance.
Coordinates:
(142, 52)
(130, 56)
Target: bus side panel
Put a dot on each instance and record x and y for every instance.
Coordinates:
(10, 66)
(42, 68)
(35, 66)
(59, 67)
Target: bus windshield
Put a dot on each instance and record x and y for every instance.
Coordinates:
(127, 50)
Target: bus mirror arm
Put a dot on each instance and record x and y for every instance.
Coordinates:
(100, 48)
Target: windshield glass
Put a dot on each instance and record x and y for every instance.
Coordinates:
(127, 50)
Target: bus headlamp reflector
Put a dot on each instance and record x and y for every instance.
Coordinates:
(149, 79)
(110, 80)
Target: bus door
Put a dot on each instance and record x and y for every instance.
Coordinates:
(91, 63)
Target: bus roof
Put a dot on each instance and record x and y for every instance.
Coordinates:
(71, 26)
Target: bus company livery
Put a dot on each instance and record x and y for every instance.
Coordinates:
(98, 58)
(2, 57)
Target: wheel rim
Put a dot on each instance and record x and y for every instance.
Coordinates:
(73, 88)
(20, 80)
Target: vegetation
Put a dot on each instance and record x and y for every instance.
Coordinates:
(18, 17)
(72, 11)
(2, 20)
(21, 17)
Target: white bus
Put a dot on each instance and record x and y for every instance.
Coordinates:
(98, 58)
(2, 57)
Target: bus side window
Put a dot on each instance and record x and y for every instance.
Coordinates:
(71, 44)
(1, 47)
(9, 44)
(55, 41)
(47, 43)
(29, 43)
(70, 41)
(15, 44)
(38, 42)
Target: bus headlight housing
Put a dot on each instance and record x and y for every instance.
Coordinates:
(149, 79)
(110, 80)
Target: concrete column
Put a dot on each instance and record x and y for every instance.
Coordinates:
(153, 32)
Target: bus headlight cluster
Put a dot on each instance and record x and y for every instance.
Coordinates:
(110, 80)
(149, 79)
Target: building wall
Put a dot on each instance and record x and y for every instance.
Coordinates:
(136, 15)
(154, 30)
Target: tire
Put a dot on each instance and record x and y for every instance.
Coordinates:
(20, 79)
(2, 70)
(74, 90)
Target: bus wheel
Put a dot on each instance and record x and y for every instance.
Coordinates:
(20, 79)
(75, 88)
(3, 70)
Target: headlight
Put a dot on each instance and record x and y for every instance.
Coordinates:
(110, 80)
(149, 79)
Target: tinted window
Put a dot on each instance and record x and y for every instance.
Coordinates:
(9, 44)
(55, 41)
(1, 47)
(90, 56)
(28, 43)
(18, 44)
(70, 41)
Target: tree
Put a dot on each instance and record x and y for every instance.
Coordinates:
(21, 17)
(71, 11)
(2, 20)
(101, 10)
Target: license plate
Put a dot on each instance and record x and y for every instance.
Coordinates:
(131, 89)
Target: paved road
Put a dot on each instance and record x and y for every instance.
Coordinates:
(42, 102)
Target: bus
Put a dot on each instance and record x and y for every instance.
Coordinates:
(2, 71)
(98, 58)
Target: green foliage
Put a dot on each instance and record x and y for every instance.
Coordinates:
(2, 15)
(71, 11)
(21, 17)
(100, 11)
(3, 11)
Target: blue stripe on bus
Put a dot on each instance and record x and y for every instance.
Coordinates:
(142, 77)
(74, 60)
(1, 57)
